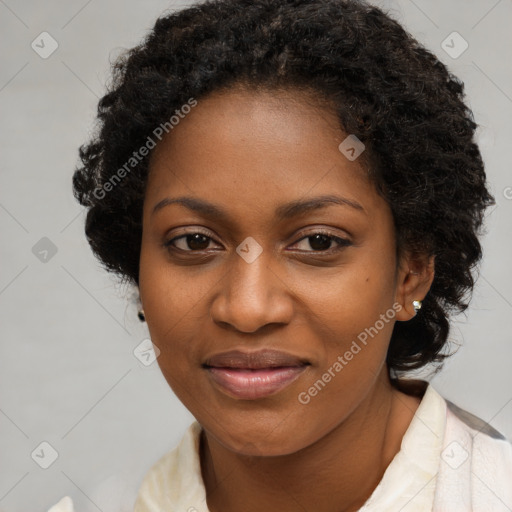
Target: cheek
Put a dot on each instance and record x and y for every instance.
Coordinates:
(170, 317)
(352, 297)
(354, 342)
(168, 305)
(354, 319)
(169, 293)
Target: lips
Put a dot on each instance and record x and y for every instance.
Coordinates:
(254, 375)
(254, 360)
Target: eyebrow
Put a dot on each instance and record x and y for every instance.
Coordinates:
(282, 212)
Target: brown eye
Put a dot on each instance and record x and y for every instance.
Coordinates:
(321, 242)
(190, 242)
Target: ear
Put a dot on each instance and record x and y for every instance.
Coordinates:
(414, 278)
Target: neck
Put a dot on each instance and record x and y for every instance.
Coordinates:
(337, 473)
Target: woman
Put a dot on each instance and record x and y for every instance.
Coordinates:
(294, 189)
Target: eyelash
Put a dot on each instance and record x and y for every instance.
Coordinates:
(342, 242)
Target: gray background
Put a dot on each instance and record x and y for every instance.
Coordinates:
(68, 373)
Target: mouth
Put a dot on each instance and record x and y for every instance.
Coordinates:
(254, 375)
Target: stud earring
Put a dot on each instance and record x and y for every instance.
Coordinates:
(416, 304)
(141, 315)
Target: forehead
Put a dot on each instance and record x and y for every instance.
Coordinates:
(257, 150)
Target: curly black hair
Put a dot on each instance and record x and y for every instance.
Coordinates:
(387, 89)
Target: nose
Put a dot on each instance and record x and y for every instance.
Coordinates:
(252, 295)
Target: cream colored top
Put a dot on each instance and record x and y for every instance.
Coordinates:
(449, 460)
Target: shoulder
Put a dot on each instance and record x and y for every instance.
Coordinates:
(175, 480)
(64, 505)
(490, 452)
(474, 423)
(476, 464)
(488, 445)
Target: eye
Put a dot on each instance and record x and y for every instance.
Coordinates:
(190, 242)
(320, 241)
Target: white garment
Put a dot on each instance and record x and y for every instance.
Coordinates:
(449, 460)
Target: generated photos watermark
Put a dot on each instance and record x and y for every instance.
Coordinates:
(342, 360)
(143, 151)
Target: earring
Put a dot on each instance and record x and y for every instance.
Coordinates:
(141, 315)
(416, 304)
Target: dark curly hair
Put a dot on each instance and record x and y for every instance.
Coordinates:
(387, 89)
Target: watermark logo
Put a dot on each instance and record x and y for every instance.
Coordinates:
(146, 352)
(454, 45)
(44, 45)
(44, 455)
(351, 147)
(249, 249)
(454, 455)
(44, 250)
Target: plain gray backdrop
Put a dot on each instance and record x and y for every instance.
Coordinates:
(69, 376)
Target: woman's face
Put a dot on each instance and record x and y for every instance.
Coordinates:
(252, 280)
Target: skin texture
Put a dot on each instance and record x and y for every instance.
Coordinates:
(249, 152)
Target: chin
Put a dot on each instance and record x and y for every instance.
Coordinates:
(262, 448)
(258, 440)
